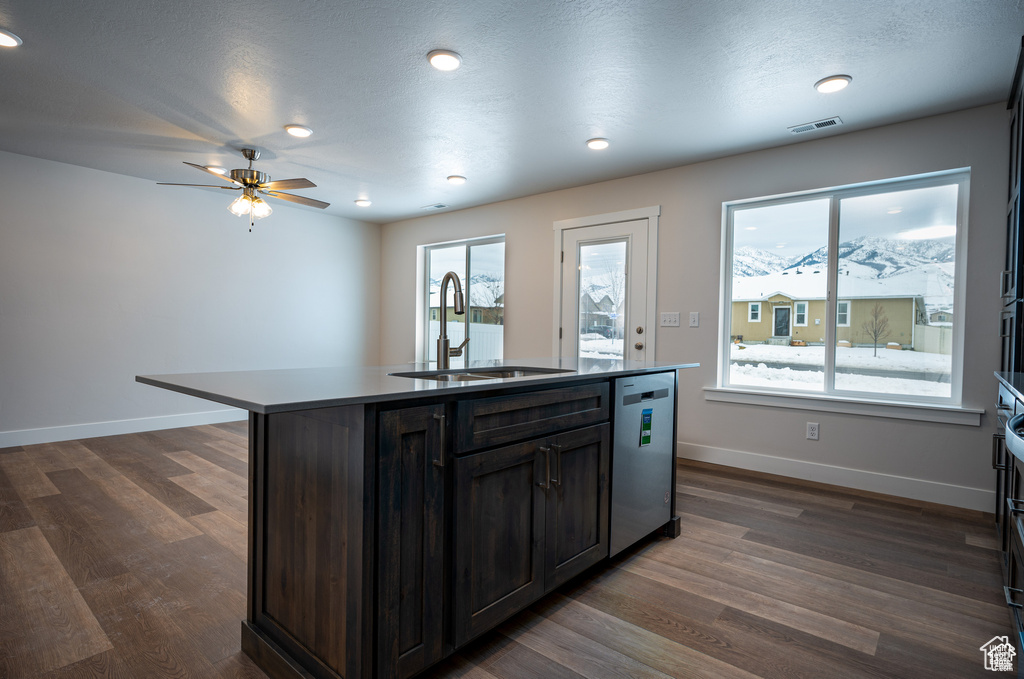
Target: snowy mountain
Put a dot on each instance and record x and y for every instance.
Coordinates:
(749, 261)
(885, 256)
(923, 267)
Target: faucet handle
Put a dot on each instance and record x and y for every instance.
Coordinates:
(457, 351)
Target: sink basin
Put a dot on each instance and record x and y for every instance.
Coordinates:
(472, 374)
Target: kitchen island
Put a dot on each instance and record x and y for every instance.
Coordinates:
(392, 519)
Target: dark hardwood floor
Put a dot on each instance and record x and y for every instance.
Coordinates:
(125, 557)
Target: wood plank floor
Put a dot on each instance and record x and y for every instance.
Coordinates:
(124, 556)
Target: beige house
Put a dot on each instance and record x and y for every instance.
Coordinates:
(788, 307)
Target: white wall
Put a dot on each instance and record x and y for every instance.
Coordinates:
(939, 462)
(104, 277)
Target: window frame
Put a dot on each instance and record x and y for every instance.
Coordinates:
(751, 307)
(797, 312)
(846, 304)
(848, 400)
(423, 314)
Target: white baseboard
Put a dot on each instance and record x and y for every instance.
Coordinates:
(929, 491)
(71, 432)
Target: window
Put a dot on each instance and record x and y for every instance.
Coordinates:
(480, 266)
(800, 313)
(843, 313)
(879, 267)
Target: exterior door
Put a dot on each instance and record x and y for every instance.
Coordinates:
(781, 321)
(606, 298)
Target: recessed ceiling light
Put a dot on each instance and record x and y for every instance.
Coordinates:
(751, 228)
(456, 179)
(363, 202)
(298, 130)
(8, 39)
(444, 60)
(218, 170)
(598, 143)
(833, 83)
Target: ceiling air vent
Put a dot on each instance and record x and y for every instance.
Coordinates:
(810, 127)
(435, 206)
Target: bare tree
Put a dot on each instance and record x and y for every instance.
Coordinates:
(877, 326)
(487, 293)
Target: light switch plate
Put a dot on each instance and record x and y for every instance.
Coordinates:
(694, 319)
(670, 319)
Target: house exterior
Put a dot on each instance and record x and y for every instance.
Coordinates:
(603, 316)
(790, 306)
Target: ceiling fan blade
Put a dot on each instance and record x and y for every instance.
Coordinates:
(301, 200)
(218, 175)
(203, 186)
(301, 183)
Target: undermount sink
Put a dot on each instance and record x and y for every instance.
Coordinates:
(473, 374)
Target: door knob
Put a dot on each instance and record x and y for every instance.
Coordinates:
(638, 345)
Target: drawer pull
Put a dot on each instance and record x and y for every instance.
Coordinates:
(557, 480)
(1009, 592)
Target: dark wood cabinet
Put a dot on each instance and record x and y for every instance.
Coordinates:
(411, 594)
(528, 517)
(1011, 284)
(576, 504)
(499, 535)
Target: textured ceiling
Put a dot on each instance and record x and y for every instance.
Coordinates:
(138, 86)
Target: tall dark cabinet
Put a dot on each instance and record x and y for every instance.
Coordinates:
(1011, 284)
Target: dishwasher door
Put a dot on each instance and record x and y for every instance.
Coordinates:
(642, 457)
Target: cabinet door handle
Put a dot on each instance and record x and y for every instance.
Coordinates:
(995, 454)
(546, 483)
(1009, 592)
(557, 480)
(439, 462)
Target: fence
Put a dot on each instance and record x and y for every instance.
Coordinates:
(933, 339)
(486, 341)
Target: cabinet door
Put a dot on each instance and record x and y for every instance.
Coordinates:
(410, 626)
(576, 535)
(499, 526)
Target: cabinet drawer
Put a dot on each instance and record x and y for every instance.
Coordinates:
(485, 422)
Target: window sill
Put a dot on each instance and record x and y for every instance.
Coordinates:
(921, 412)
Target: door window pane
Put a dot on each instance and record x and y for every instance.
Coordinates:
(780, 254)
(602, 312)
(897, 258)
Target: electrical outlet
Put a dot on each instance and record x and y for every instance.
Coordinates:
(670, 319)
(812, 431)
(694, 319)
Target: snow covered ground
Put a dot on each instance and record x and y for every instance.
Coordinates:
(846, 357)
(593, 345)
(763, 375)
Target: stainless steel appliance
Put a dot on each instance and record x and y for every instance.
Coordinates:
(643, 453)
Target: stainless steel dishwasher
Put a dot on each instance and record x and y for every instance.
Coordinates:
(642, 457)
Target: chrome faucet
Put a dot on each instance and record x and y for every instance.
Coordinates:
(443, 352)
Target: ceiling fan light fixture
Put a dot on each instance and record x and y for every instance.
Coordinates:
(833, 83)
(261, 208)
(218, 170)
(8, 39)
(300, 131)
(241, 206)
(363, 202)
(598, 143)
(444, 60)
(456, 179)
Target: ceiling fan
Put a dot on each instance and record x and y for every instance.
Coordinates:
(252, 183)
